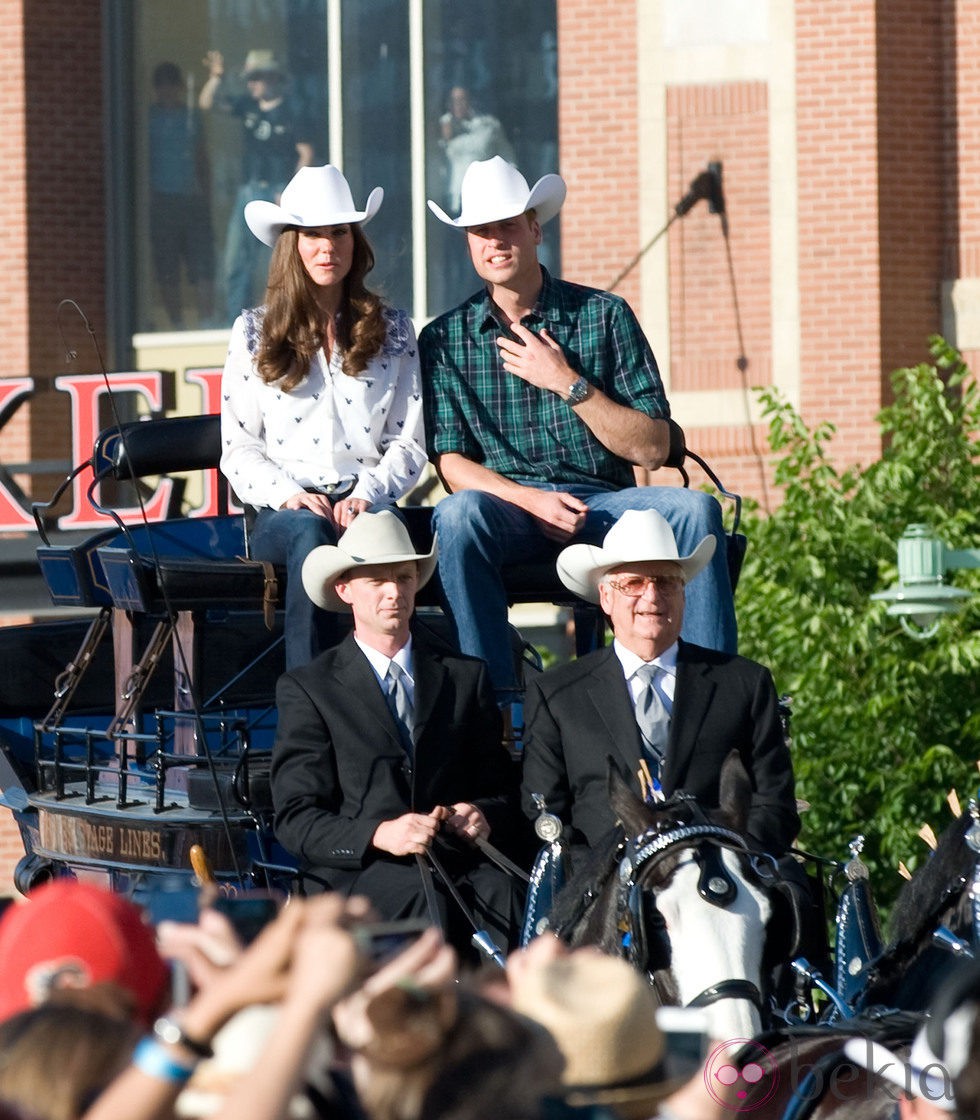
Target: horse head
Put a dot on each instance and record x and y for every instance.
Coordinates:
(944, 892)
(683, 895)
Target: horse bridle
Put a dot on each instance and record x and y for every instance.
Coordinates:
(715, 885)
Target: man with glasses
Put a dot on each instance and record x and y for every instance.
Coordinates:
(666, 712)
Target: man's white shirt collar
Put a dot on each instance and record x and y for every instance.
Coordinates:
(379, 662)
(630, 661)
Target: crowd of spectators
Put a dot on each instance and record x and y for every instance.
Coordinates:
(308, 1021)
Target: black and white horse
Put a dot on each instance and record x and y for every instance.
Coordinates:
(685, 897)
(935, 922)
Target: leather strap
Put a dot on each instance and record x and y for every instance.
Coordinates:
(270, 593)
(495, 855)
(429, 891)
(729, 989)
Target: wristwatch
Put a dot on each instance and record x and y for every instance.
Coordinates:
(171, 1032)
(578, 391)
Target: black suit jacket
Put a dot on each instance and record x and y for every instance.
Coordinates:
(580, 714)
(339, 768)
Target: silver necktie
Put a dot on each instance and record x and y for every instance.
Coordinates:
(651, 715)
(396, 693)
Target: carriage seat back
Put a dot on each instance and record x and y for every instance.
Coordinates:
(150, 447)
(188, 443)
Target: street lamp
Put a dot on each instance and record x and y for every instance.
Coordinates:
(921, 598)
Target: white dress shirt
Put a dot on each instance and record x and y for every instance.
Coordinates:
(379, 663)
(331, 429)
(666, 681)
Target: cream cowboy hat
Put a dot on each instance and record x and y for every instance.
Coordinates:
(603, 1015)
(373, 538)
(315, 196)
(261, 62)
(638, 537)
(493, 189)
(924, 1075)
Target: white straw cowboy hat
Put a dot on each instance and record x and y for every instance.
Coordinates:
(603, 1015)
(373, 538)
(941, 1050)
(315, 196)
(493, 189)
(924, 1075)
(638, 537)
(261, 62)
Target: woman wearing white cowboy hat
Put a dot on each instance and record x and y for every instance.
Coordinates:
(321, 415)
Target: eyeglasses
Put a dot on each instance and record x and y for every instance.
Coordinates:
(635, 586)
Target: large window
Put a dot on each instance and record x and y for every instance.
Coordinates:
(218, 101)
(491, 88)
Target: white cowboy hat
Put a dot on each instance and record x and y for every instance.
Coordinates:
(373, 538)
(261, 62)
(493, 189)
(924, 1075)
(315, 196)
(639, 536)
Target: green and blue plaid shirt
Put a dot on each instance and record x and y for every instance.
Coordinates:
(477, 409)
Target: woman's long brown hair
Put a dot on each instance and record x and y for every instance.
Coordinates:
(292, 330)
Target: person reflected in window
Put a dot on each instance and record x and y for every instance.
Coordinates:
(180, 214)
(275, 144)
(321, 411)
(466, 135)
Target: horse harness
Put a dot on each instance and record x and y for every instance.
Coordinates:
(637, 914)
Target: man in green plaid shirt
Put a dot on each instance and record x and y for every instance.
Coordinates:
(540, 396)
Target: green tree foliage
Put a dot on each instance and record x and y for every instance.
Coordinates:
(883, 726)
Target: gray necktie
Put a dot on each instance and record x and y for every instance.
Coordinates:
(396, 693)
(652, 715)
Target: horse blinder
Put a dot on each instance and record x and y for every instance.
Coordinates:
(715, 882)
(645, 940)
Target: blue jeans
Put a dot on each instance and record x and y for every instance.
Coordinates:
(287, 537)
(244, 251)
(478, 533)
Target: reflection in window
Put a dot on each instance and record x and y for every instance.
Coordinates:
(235, 101)
(486, 94)
(378, 136)
(231, 96)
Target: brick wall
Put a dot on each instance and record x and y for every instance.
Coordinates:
(911, 76)
(840, 259)
(959, 48)
(887, 108)
(16, 443)
(597, 126)
(726, 122)
(57, 243)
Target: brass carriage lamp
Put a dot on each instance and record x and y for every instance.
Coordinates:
(921, 598)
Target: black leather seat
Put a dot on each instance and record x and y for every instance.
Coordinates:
(167, 578)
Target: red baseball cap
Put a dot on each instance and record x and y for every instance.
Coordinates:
(70, 934)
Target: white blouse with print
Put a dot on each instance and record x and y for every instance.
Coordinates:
(331, 429)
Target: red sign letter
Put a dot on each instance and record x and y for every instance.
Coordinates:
(210, 382)
(85, 390)
(12, 516)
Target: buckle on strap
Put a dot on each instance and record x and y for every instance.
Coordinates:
(270, 589)
(270, 593)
